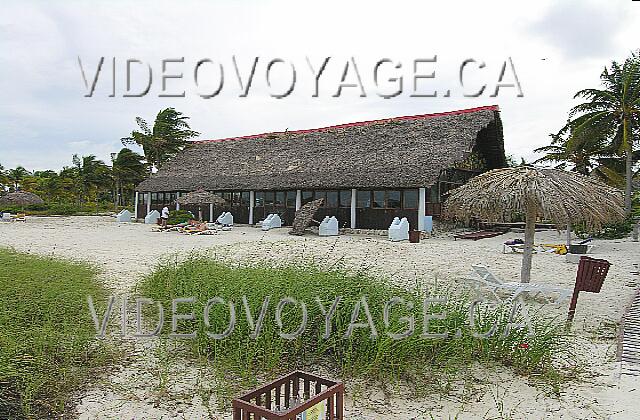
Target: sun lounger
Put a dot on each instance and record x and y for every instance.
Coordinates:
(20, 217)
(559, 249)
(513, 290)
(482, 234)
(6, 217)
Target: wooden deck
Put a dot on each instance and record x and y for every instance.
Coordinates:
(630, 339)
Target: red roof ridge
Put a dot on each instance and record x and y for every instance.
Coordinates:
(356, 124)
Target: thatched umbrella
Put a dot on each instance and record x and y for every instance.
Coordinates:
(304, 217)
(20, 198)
(200, 197)
(552, 194)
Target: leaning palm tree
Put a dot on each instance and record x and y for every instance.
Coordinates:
(552, 194)
(576, 152)
(614, 112)
(165, 139)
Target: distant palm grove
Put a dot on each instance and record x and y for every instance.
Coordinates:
(600, 139)
(90, 184)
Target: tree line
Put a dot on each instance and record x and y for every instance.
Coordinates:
(600, 137)
(90, 182)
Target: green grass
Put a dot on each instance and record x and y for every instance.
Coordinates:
(416, 359)
(47, 346)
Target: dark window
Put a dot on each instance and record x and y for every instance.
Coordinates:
(432, 195)
(172, 198)
(280, 198)
(227, 197)
(332, 199)
(236, 199)
(393, 199)
(154, 198)
(291, 199)
(378, 199)
(269, 198)
(260, 199)
(410, 198)
(363, 199)
(244, 198)
(142, 198)
(307, 196)
(320, 194)
(345, 198)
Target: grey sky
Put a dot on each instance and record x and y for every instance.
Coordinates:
(45, 118)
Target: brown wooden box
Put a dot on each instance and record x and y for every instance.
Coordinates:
(262, 402)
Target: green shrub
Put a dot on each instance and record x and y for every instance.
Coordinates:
(34, 208)
(617, 230)
(179, 216)
(47, 345)
(65, 209)
(383, 358)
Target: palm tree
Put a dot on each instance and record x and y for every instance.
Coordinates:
(91, 175)
(168, 136)
(579, 153)
(613, 112)
(128, 171)
(16, 176)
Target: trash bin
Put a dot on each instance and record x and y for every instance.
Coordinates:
(578, 249)
(591, 274)
(297, 395)
(414, 236)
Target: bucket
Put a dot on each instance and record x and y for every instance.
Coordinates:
(414, 236)
(577, 249)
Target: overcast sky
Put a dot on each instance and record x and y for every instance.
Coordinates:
(556, 47)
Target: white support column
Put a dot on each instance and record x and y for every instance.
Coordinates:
(422, 198)
(177, 204)
(252, 199)
(211, 219)
(298, 199)
(148, 202)
(135, 206)
(354, 197)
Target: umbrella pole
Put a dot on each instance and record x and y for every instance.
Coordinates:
(529, 233)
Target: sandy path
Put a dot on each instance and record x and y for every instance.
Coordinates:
(124, 252)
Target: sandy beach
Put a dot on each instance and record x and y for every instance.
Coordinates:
(124, 252)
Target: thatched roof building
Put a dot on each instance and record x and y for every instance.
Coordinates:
(398, 153)
(405, 152)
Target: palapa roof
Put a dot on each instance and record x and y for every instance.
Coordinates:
(558, 195)
(400, 152)
(199, 197)
(20, 198)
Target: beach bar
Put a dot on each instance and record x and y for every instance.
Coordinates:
(367, 172)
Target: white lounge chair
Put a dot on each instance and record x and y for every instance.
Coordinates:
(399, 230)
(328, 227)
(482, 275)
(6, 217)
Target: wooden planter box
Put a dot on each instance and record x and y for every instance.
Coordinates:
(285, 398)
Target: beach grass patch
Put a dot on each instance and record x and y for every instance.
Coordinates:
(366, 354)
(47, 346)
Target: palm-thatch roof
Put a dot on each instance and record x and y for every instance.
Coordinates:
(553, 194)
(304, 217)
(20, 198)
(561, 196)
(401, 152)
(201, 197)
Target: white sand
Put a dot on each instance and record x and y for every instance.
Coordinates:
(124, 252)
